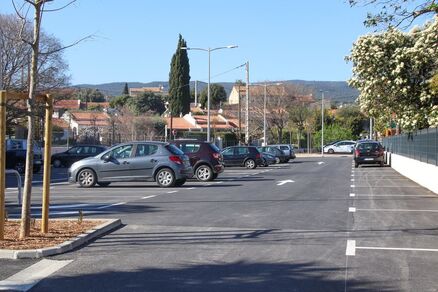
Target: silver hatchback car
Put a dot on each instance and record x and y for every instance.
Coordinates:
(134, 161)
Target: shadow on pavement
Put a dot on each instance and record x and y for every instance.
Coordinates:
(239, 276)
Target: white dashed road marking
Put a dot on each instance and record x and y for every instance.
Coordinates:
(148, 197)
(352, 209)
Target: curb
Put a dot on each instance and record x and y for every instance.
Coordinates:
(64, 247)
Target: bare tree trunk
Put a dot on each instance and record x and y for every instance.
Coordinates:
(280, 135)
(27, 190)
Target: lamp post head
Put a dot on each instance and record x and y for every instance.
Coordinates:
(184, 48)
(232, 46)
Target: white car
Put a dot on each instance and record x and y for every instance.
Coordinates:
(345, 146)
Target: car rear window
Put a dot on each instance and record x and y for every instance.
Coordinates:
(174, 150)
(284, 148)
(214, 147)
(190, 148)
(369, 146)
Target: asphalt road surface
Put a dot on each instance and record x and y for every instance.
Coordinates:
(316, 224)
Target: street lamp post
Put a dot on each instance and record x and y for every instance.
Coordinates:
(209, 50)
(322, 123)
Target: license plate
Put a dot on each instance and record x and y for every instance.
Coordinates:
(37, 162)
(369, 159)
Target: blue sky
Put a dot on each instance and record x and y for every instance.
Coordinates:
(135, 39)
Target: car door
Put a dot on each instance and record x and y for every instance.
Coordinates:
(117, 167)
(227, 155)
(241, 153)
(144, 161)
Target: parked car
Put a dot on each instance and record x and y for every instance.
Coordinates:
(267, 159)
(368, 152)
(134, 161)
(288, 149)
(247, 156)
(16, 155)
(280, 156)
(205, 158)
(75, 153)
(345, 146)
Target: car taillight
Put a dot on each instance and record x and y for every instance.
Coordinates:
(357, 152)
(216, 155)
(258, 155)
(176, 159)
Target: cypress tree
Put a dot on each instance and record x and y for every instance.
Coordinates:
(179, 80)
(125, 89)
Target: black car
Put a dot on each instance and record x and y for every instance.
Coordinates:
(368, 152)
(205, 158)
(247, 156)
(16, 155)
(280, 156)
(76, 153)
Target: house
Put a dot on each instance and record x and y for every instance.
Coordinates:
(63, 105)
(198, 123)
(81, 121)
(139, 91)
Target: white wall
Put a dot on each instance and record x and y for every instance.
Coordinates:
(422, 173)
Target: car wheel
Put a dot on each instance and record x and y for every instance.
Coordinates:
(215, 175)
(356, 165)
(180, 182)
(57, 163)
(250, 163)
(204, 173)
(331, 151)
(103, 184)
(165, 178)
(277, 160)
(19, 166)
(87, 178)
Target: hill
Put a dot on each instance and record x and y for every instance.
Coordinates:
(337, 91)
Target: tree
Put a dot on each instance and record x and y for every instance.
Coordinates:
(397, 12)
(179, 80)
(351, 117)
(392, 71)
(90, 95)
(299, 114)
(147, 102)
(332, 133)
(217, 95)
(125, 89)
(119, 101)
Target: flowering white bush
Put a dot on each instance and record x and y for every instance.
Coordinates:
(392, 71)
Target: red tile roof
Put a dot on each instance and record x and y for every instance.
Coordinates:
(67, 104)
(180, 124)
(91, 118)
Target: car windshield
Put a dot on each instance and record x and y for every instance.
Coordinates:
(174, 150)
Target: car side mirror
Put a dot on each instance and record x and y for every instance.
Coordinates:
(106, 157)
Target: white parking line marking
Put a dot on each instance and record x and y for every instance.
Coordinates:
(321, 162)
(391, 195)
(352, 194)
(192, 188)
(148, 197)
(352, 179)
(352, 186)
(172, 192)
(351, 248)
(397, 210)
(352, 209)
(112, 205)
(29, 277)
(388, 187)
(397, 248)
(282, 182)
(219, 182)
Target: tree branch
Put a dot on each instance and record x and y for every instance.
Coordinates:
(60, 8)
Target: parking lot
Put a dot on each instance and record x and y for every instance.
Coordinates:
(314, 224)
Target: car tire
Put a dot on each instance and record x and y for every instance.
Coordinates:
(382, 164)
(180, 182)
(87, 178)
(250, 164)
(215, 175)
(165, 178)
(356, 165)
(103, 184)
(20, 167)
(204, 173)
(277, 160)
(57, 163)
(331, 151)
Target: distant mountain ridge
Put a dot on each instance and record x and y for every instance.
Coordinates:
(337, 91)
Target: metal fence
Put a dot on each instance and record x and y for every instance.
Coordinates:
(420, 145)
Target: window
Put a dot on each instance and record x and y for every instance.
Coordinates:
(242, 151)
(74, 150)
(145, 150)
(190, 148)
(174, 150)
(228, 152)
(369, 146)
(121, 152)
(284, 148)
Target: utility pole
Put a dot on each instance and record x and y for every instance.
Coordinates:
(264, 117)
(239, 115)
(371, 128)
(322, 123)
(247, 105)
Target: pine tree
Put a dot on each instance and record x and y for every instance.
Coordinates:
(125, 89)
(179, 79)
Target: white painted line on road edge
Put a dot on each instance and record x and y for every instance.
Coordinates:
(172, 192)
(112, 205)
(219, 182)
(397, 210)
(282, 182)
(29, 277)
(391, 195)
(352, 195)
(397, 248)
(352, 209)
(351, 248)
(192, 188)
(148, 197)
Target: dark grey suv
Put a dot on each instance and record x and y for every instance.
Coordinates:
(134, 161)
